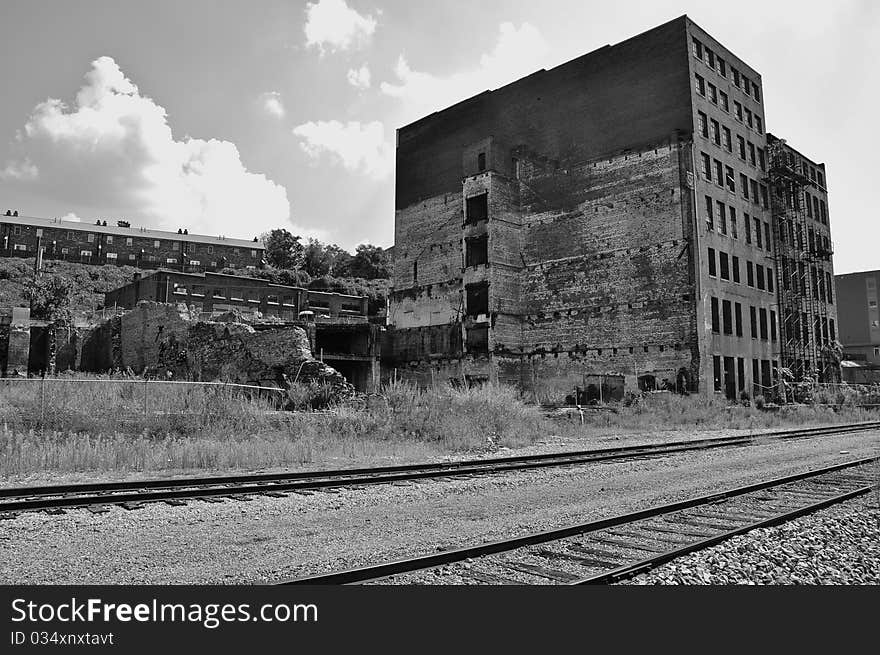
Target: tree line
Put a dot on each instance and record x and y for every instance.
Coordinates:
(286, 251)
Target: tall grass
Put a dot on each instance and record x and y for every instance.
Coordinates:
(104, 426)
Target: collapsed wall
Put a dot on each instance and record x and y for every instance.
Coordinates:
(171, 342)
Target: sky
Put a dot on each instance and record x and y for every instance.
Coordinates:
(235, 118)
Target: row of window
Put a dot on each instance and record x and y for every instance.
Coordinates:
(798, 329)
(817, 243)
(717, 213)
(798, 278)
(129, 241)
(719, 98)
(731, 379)
(727, 268)
(730, 320)
(809, 171)
(722, 137)
(815, 207)
(718, 64)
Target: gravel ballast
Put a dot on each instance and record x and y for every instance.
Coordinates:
(837, 546)
(268, 539)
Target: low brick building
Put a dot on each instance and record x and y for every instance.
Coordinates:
(216, 292)
(99, 243)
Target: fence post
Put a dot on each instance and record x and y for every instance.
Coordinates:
(42, 404)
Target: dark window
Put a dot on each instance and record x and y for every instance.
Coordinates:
(716, 132)
(753, 184)
(477, 298)
(831, 329)
(726, 317)
(741, 370)
(722, 67)
(725, 103)
(762, 162)
(760, 275)
(735, 269)
(747, 224)
(828, 287)
(738, 318)
(701, 84)
(809, 204)
(733, 230)
(744, 183)
(710, 58)
(765, 200)
(769, 279)
(772, 325)
(725, 265)
(758, 241)
(698, 49)
(756, 378)
(767, 241)
(735, 76)
(712, 270)
(738, 110)
(765, 374)
(756, 93)
(716, 369)
(477, 208)
(710, 220)
(476, 251)
(750, 274)
(729, 379)
(481, 161)
(722, 216)
(715, 322)
(703, 122)
(728, 139)
(713, 94)
(753, 316)
(478, 339)
(707, 166)
(752, 158)
(763, 319)
(731, 181)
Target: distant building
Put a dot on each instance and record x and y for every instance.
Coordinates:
(121, 244)
(859, 322)
(215, 292)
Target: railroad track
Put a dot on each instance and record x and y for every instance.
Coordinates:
(616, 548)
(97, 497)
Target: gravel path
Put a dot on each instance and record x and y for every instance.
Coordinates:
(267, 539)
(839, 545)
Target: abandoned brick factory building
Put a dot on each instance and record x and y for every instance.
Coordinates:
(621, 221)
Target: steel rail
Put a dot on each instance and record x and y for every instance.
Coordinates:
(630, 570)
(75, 495)
(385, 569)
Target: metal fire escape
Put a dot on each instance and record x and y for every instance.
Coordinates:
(803, 313)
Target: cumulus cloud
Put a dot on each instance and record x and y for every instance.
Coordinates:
(518, 52)
(359, 147)
(359, 78)
(70, 216)
(272, 104)
(331, 25)
(21, 170)
(114, 150)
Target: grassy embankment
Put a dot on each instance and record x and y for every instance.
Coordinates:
(106, 427)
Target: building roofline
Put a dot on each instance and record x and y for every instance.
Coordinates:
(541, 71)
(116, 230)
(771, 136)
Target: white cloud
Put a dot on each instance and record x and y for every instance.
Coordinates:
(114, 150)
(272, 104)
(70, 216)
(518, 52)
(359, 78)
(23, 170)
(332, 25)
(359, 147)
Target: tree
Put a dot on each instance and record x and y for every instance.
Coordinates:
(369, 262)
(50, 297)
(317, 262)
(283, 249)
